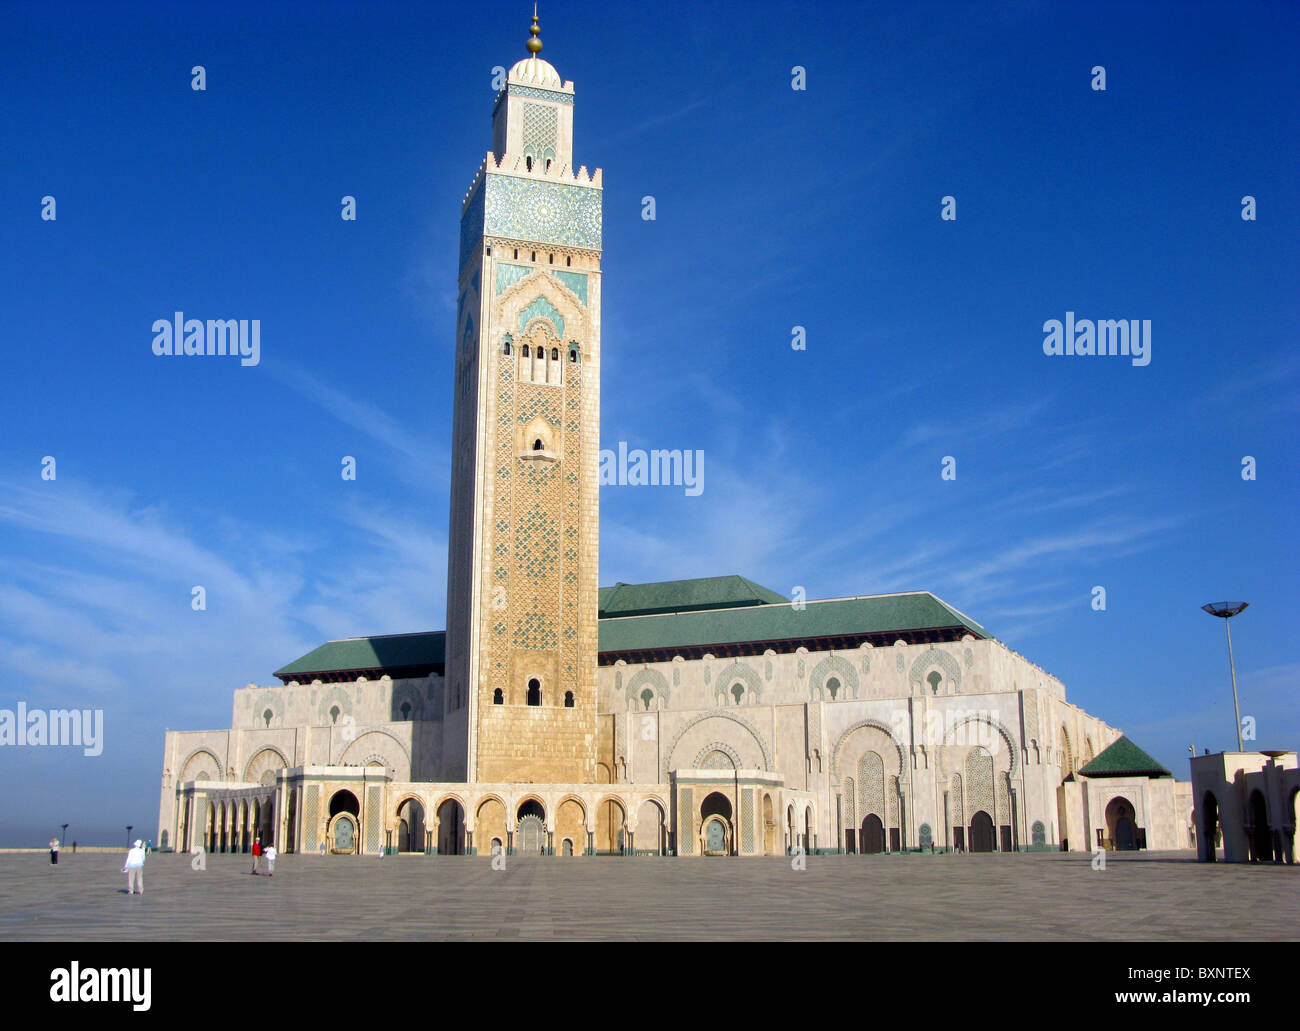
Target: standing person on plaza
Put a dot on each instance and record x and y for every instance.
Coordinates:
(257, 854)
(134, 868)
(54, 851)
(270, 854)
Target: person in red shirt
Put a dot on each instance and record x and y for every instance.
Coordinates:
(257, 854)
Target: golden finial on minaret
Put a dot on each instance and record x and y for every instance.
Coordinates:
(534, 43)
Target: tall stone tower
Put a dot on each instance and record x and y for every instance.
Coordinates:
(522, 564)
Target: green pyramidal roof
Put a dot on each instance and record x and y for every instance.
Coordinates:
(398, 655)
(710, 592)
(1123, 759)
(646, 622)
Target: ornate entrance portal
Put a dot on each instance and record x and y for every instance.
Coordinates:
(715, 837)
(530, 836)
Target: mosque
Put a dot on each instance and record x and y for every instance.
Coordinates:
(703, 717)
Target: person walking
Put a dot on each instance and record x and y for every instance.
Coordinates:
(74, 848)
(134, 868)
(54, 851)
(270, 854)
(257, 854)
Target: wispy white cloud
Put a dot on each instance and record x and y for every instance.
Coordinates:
(417, 460)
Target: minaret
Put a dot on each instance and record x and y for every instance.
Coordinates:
(522, 563)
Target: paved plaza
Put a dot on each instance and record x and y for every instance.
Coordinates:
(1046, 896)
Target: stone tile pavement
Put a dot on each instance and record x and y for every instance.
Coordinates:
(1041, 896)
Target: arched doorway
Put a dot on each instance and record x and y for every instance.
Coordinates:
(530, 829)
(715, 828)
(769, 826)
(981, 832)
(451, 829)
(410, 826)
(1209, 835)
(489, 825)
(1261, 838)
(650, 827)
(872, 840)
(342, 830)
(611, 822)
(1120, 826)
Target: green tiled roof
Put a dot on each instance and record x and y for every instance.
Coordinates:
(394, 652)
(710, 592)
(844, 617)
(684, 615)
(1123, 759)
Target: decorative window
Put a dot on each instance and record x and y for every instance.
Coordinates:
(406, 710)
(647, 696)
(507, 347)
(568, 699)
(537, 444)
(555, 354)
(534, 692)
(833, 687)
(934, 680)
(498, 698)
(738, 691)
(525, 350)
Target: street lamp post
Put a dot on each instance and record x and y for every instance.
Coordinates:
(1225, 610)
(128, 832)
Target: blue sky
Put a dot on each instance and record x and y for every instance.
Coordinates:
(775, 208)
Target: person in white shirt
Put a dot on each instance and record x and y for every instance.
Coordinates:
(269, 855)
(134, 868)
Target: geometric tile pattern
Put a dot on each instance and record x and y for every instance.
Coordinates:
(524, 209)
(871, 784)
(979, 782)
(540, 131)
(374, 813)
(311, 819)
(539, 94)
